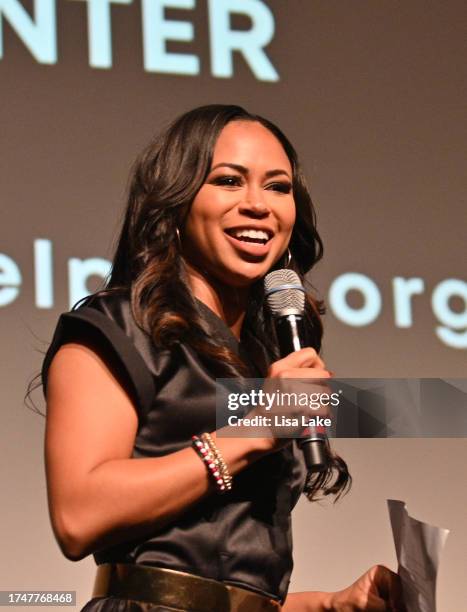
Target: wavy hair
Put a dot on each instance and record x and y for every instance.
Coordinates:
(164, 182)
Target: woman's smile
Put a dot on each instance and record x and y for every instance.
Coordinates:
(250, 240)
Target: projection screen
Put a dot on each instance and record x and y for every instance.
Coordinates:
(372, 94)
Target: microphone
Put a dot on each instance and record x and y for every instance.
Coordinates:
(285, 297)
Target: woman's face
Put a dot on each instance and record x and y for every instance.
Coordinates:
(241, 220)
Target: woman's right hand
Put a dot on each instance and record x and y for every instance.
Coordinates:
(304, 365)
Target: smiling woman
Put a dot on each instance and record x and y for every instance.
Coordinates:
(178, 517)
(241, 219)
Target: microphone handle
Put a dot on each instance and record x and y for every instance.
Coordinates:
(315, 451)
(292, 336)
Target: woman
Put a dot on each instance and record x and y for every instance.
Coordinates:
(179, 519)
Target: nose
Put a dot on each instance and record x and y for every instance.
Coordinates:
(254, 204)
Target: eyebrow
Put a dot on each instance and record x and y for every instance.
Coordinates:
(244, 170)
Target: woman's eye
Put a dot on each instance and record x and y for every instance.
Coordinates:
(281, 187)
(228, 181)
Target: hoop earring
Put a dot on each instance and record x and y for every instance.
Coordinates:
(289, 258)
(177, 231)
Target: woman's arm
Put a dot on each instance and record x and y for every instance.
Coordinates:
(310, 601)
(98, 495)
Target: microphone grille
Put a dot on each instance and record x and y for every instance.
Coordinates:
(284, 291)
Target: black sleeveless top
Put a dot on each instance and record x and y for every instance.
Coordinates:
(243, 537)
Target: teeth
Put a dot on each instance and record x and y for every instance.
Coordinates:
(251, 233)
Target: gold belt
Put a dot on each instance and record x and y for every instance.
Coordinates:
(177, 590)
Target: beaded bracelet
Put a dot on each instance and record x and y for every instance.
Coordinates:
(217, 471)
(207, 456)
(223, 469)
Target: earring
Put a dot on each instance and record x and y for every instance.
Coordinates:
(289, 258)
(177, 231)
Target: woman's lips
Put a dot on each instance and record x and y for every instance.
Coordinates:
(249, 248)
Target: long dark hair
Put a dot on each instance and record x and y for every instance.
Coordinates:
(165, 179)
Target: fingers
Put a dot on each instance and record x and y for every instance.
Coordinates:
(377, 590)
(304, 359)
(305, 373)
(390, 587)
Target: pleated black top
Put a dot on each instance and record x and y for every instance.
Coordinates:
(243, 537)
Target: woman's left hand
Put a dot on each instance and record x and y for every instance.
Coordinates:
(378, 590)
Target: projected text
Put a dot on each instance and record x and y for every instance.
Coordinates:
(39, 34)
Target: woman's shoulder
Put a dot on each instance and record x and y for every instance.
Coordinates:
(115, 305)
(105, 323)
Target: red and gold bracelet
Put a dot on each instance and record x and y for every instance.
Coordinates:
(221, 464)
(215, 464)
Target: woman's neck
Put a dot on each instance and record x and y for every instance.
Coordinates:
(229, 303)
